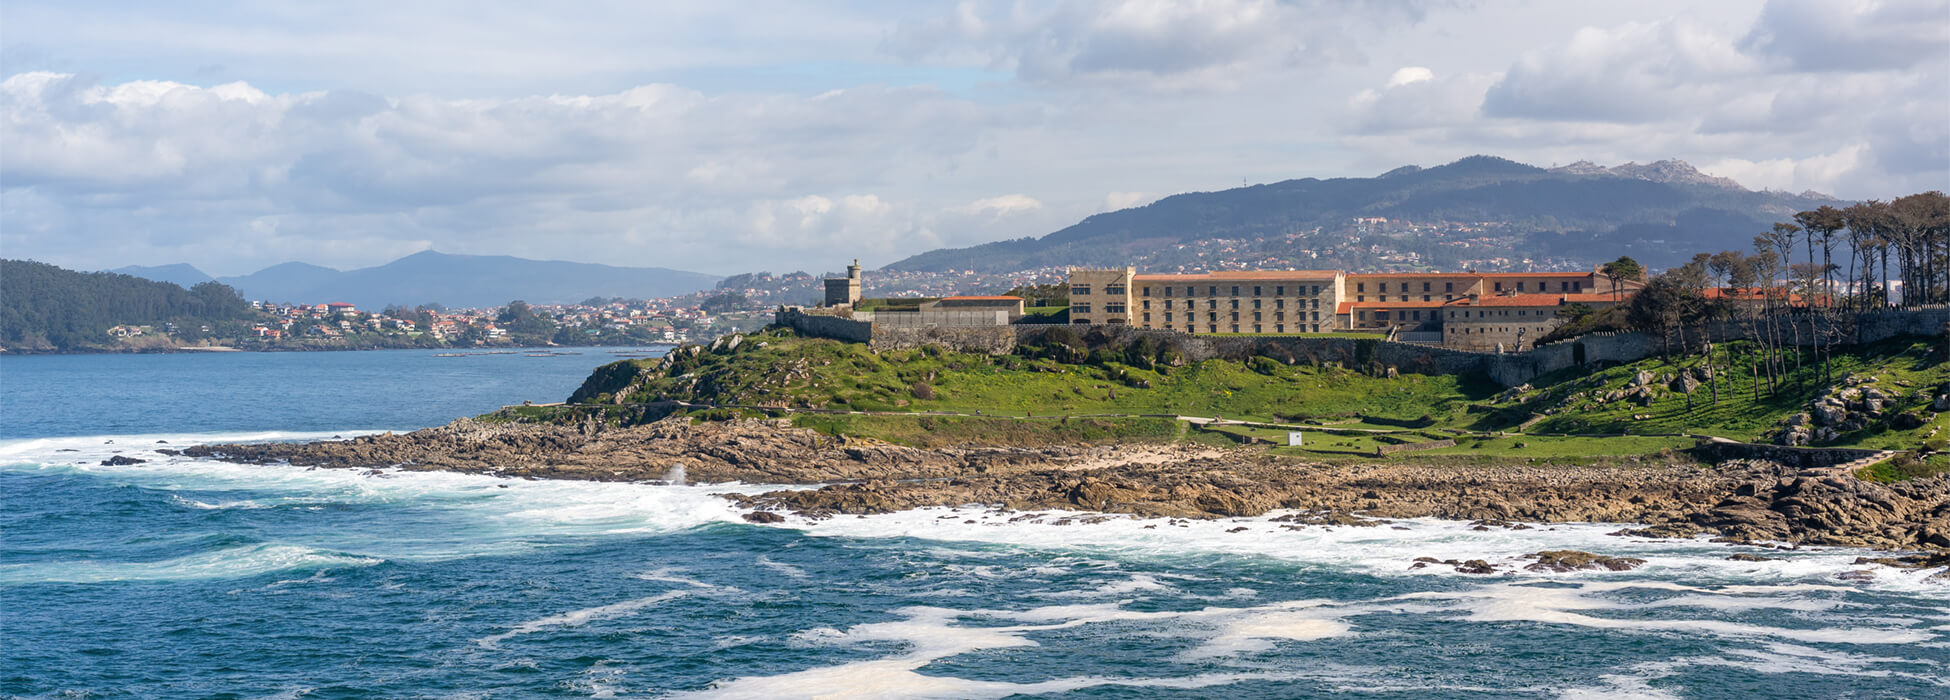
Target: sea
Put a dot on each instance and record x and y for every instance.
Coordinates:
(187, 578)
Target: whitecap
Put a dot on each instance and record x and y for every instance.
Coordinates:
(236, 562)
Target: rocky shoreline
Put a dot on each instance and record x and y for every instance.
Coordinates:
(1738, 501)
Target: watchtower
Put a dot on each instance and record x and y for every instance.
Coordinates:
(844, 290)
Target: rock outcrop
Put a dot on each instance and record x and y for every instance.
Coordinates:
(1738, 501)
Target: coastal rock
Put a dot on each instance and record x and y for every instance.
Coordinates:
(122, 461)
(1743, 556)
(764, 517)
(1738, 501)
(1564, 560)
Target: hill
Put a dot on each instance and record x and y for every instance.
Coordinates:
(180, 274)
(43, 307)
(464, 281)
(1659, 213)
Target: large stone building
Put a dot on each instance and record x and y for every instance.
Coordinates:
(844, 291)
(1317, 301)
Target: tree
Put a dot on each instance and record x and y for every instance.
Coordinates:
(1624, 268)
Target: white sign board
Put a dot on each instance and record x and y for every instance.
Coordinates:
(1293, 438)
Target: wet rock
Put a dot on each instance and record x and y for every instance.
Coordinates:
(1861, 575)
(1743, 556)
(764, 517)
(1475, 566)
(122, 461)
(1564, 560)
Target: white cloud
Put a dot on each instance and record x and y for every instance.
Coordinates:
(1151, 44)
(1410, 75)
(1851, 35)
(1125, 200)
(1004, 205)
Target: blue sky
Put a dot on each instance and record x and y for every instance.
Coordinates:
(728, 137)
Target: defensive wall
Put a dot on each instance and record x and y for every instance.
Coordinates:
(1508, 369)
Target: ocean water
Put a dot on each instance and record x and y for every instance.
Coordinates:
(188, 578)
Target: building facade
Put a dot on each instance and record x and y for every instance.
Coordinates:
(1485, 308)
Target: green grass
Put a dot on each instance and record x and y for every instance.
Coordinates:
(948, 431)
(1101, 389)
(1905, 467)
(1738, 414)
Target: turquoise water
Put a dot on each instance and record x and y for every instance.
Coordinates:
(187, 578)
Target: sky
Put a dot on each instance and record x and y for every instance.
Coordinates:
(730, 137)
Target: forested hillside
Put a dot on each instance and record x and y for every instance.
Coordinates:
(43, 307)
(1659, 213)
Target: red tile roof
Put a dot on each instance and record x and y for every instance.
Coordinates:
(982, 298)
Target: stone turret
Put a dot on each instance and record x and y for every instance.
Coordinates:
(844, 291)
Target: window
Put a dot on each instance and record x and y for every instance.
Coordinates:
(1361, 286)
(1213, 328)
(1277, 328)
(1255, 303)
(1448, 286)
(1167, 304)
(1316, 316)
(1235, 317)
(1519, 285)
(1235, 303)
(1235, 290)
(1212, 290)
(1168, 292)
(1384, 288)
(1116, 290)
(1358, 297)
(1279, 315)
(1190, 290)
(1079, 308)
(1316, 328)
(1404, 297)
(1167, 317)
(1147, 319)
(1145, 291)
(1279, 291)
(1279, 303)
(1114, 308)
(1256, 316)
(1256, 328)
(1211, 303)
(1147, 305)
(1316, 290)
(1315, 304)
(1425, 297)
(1212, 316)
(1255, 291)
(1079, 290)
(1499, 286)
(1418, 315)
(1235, 328)
(1425, 286)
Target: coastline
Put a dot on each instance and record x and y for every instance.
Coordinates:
(1747, 502)
(177, 350)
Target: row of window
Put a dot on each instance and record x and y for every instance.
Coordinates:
(1256, 328)
(1257, 316)
(1425, 297)
(1258, 290)
(1541, 286)
(1501, 313)
(1256, 304)
(1083, 290)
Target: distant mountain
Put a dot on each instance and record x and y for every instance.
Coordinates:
(1661, 213)
(180, 274)
(464, 281)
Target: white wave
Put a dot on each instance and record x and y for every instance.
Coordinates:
(787, 570)
(1565, 606)
(578, 618)
(1381, 551)
(237, 562)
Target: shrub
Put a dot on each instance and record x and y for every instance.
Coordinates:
(922, 391)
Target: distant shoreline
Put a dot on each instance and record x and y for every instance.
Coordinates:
(5, 352)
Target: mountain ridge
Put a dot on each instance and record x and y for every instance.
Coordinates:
(432, 277)
(1584, 213)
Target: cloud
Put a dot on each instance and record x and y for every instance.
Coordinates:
(1004, 205)
(149, 164)
(1851, 35)
(1125, 200)
(1637, 72)
(1151, 44)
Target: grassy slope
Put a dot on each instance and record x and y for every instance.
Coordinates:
(780, 370)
